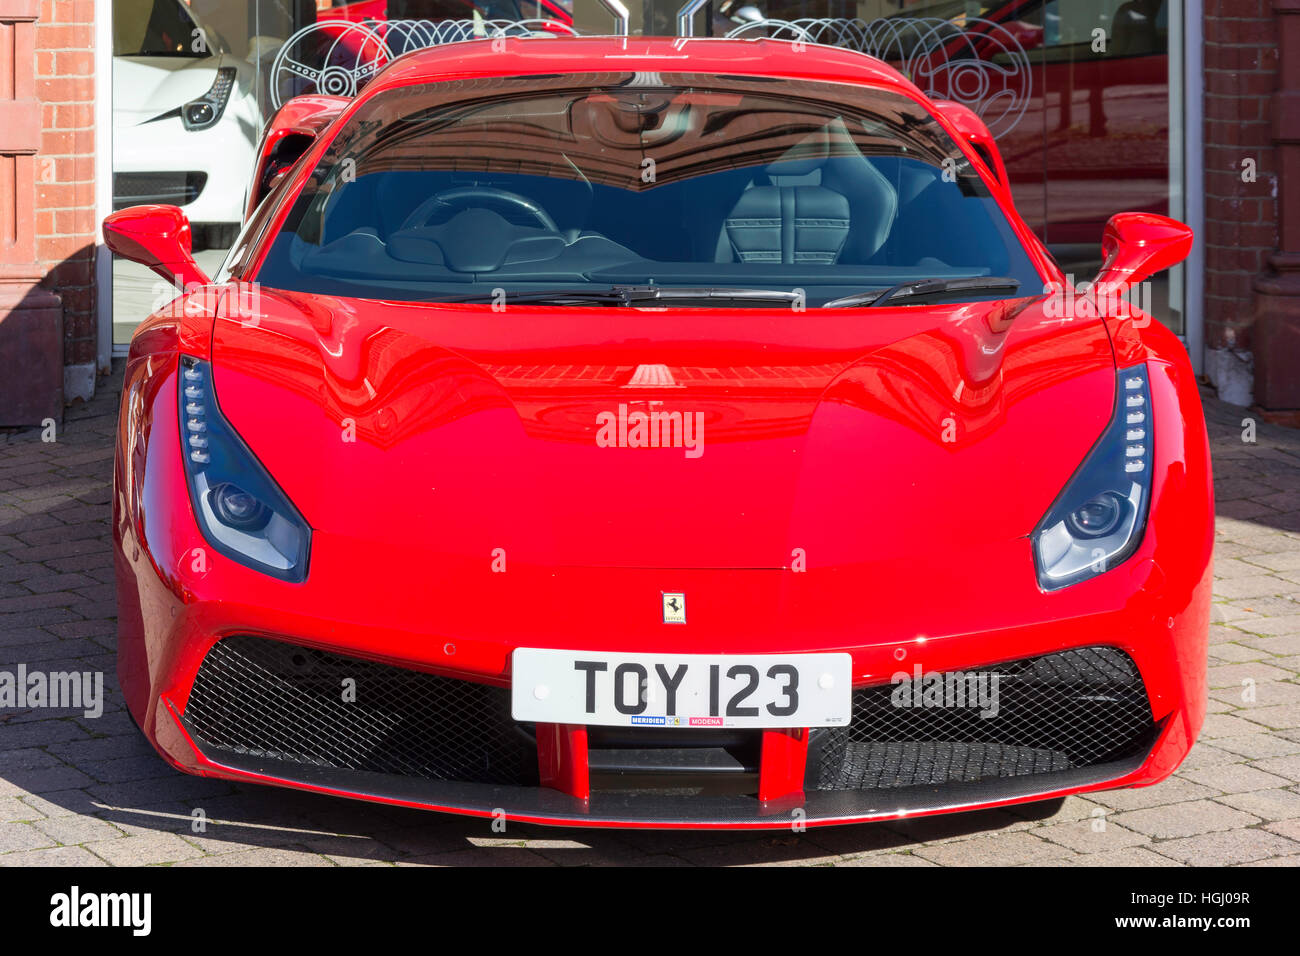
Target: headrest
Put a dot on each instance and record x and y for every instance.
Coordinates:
(810, 154)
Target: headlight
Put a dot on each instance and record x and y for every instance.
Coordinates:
(203, 113)
(1098, 520)
(240, 509)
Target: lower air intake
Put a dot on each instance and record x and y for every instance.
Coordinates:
(282, 702)
(1076, 709)
(176, 189)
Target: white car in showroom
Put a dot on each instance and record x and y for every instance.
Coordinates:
(185, 117)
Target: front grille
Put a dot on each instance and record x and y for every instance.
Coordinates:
(257, 701)
(287, 703)
(175, 189)
(1079, 708)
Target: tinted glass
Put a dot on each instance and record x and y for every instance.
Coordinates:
(154, 28)
(454, 190)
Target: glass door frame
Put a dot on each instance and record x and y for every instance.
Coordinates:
(105, 351)
(1187, 53)
(106, 348)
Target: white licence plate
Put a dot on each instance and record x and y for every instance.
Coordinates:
(681, 690)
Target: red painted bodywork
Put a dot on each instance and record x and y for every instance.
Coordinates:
(562, 759)
(304, 117)
(475, 432)
(972, 129)
(158, 237)
(1137, 245)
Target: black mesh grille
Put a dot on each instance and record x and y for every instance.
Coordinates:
(283, 702)
(177, 189)
(1078, 708)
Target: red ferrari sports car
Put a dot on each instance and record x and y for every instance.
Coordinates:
(652, 432)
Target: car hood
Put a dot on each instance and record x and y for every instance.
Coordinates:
(147, 86)
(827, 437)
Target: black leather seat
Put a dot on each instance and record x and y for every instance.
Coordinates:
(822, 203)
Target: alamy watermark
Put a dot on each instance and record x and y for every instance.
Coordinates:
(1090, 300)
(651, 429)
(950, 689)
(237, 300)
(61, 690)
(75, 909)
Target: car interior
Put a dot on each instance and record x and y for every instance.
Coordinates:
(822, 215)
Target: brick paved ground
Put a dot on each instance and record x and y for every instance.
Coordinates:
(78, 791)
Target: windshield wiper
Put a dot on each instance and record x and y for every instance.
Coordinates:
(637, 295)
(925, 288)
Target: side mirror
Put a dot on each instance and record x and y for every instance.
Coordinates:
(973, 130)
(157, 237)
(1137, 245)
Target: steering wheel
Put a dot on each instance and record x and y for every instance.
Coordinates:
(330, 57)
(470, 196)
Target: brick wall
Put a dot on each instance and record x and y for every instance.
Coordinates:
(1241, 73)
(65, 167)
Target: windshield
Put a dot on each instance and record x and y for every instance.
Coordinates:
(155, 28)
(505, 187)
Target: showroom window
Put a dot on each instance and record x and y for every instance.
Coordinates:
(1086, 115)
(1097, 125)
(189, 100)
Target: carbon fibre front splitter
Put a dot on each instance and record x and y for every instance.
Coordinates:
(665, 809)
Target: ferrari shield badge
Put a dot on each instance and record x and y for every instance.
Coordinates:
(674, 607)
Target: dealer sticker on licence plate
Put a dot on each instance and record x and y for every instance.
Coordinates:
(681, 690)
